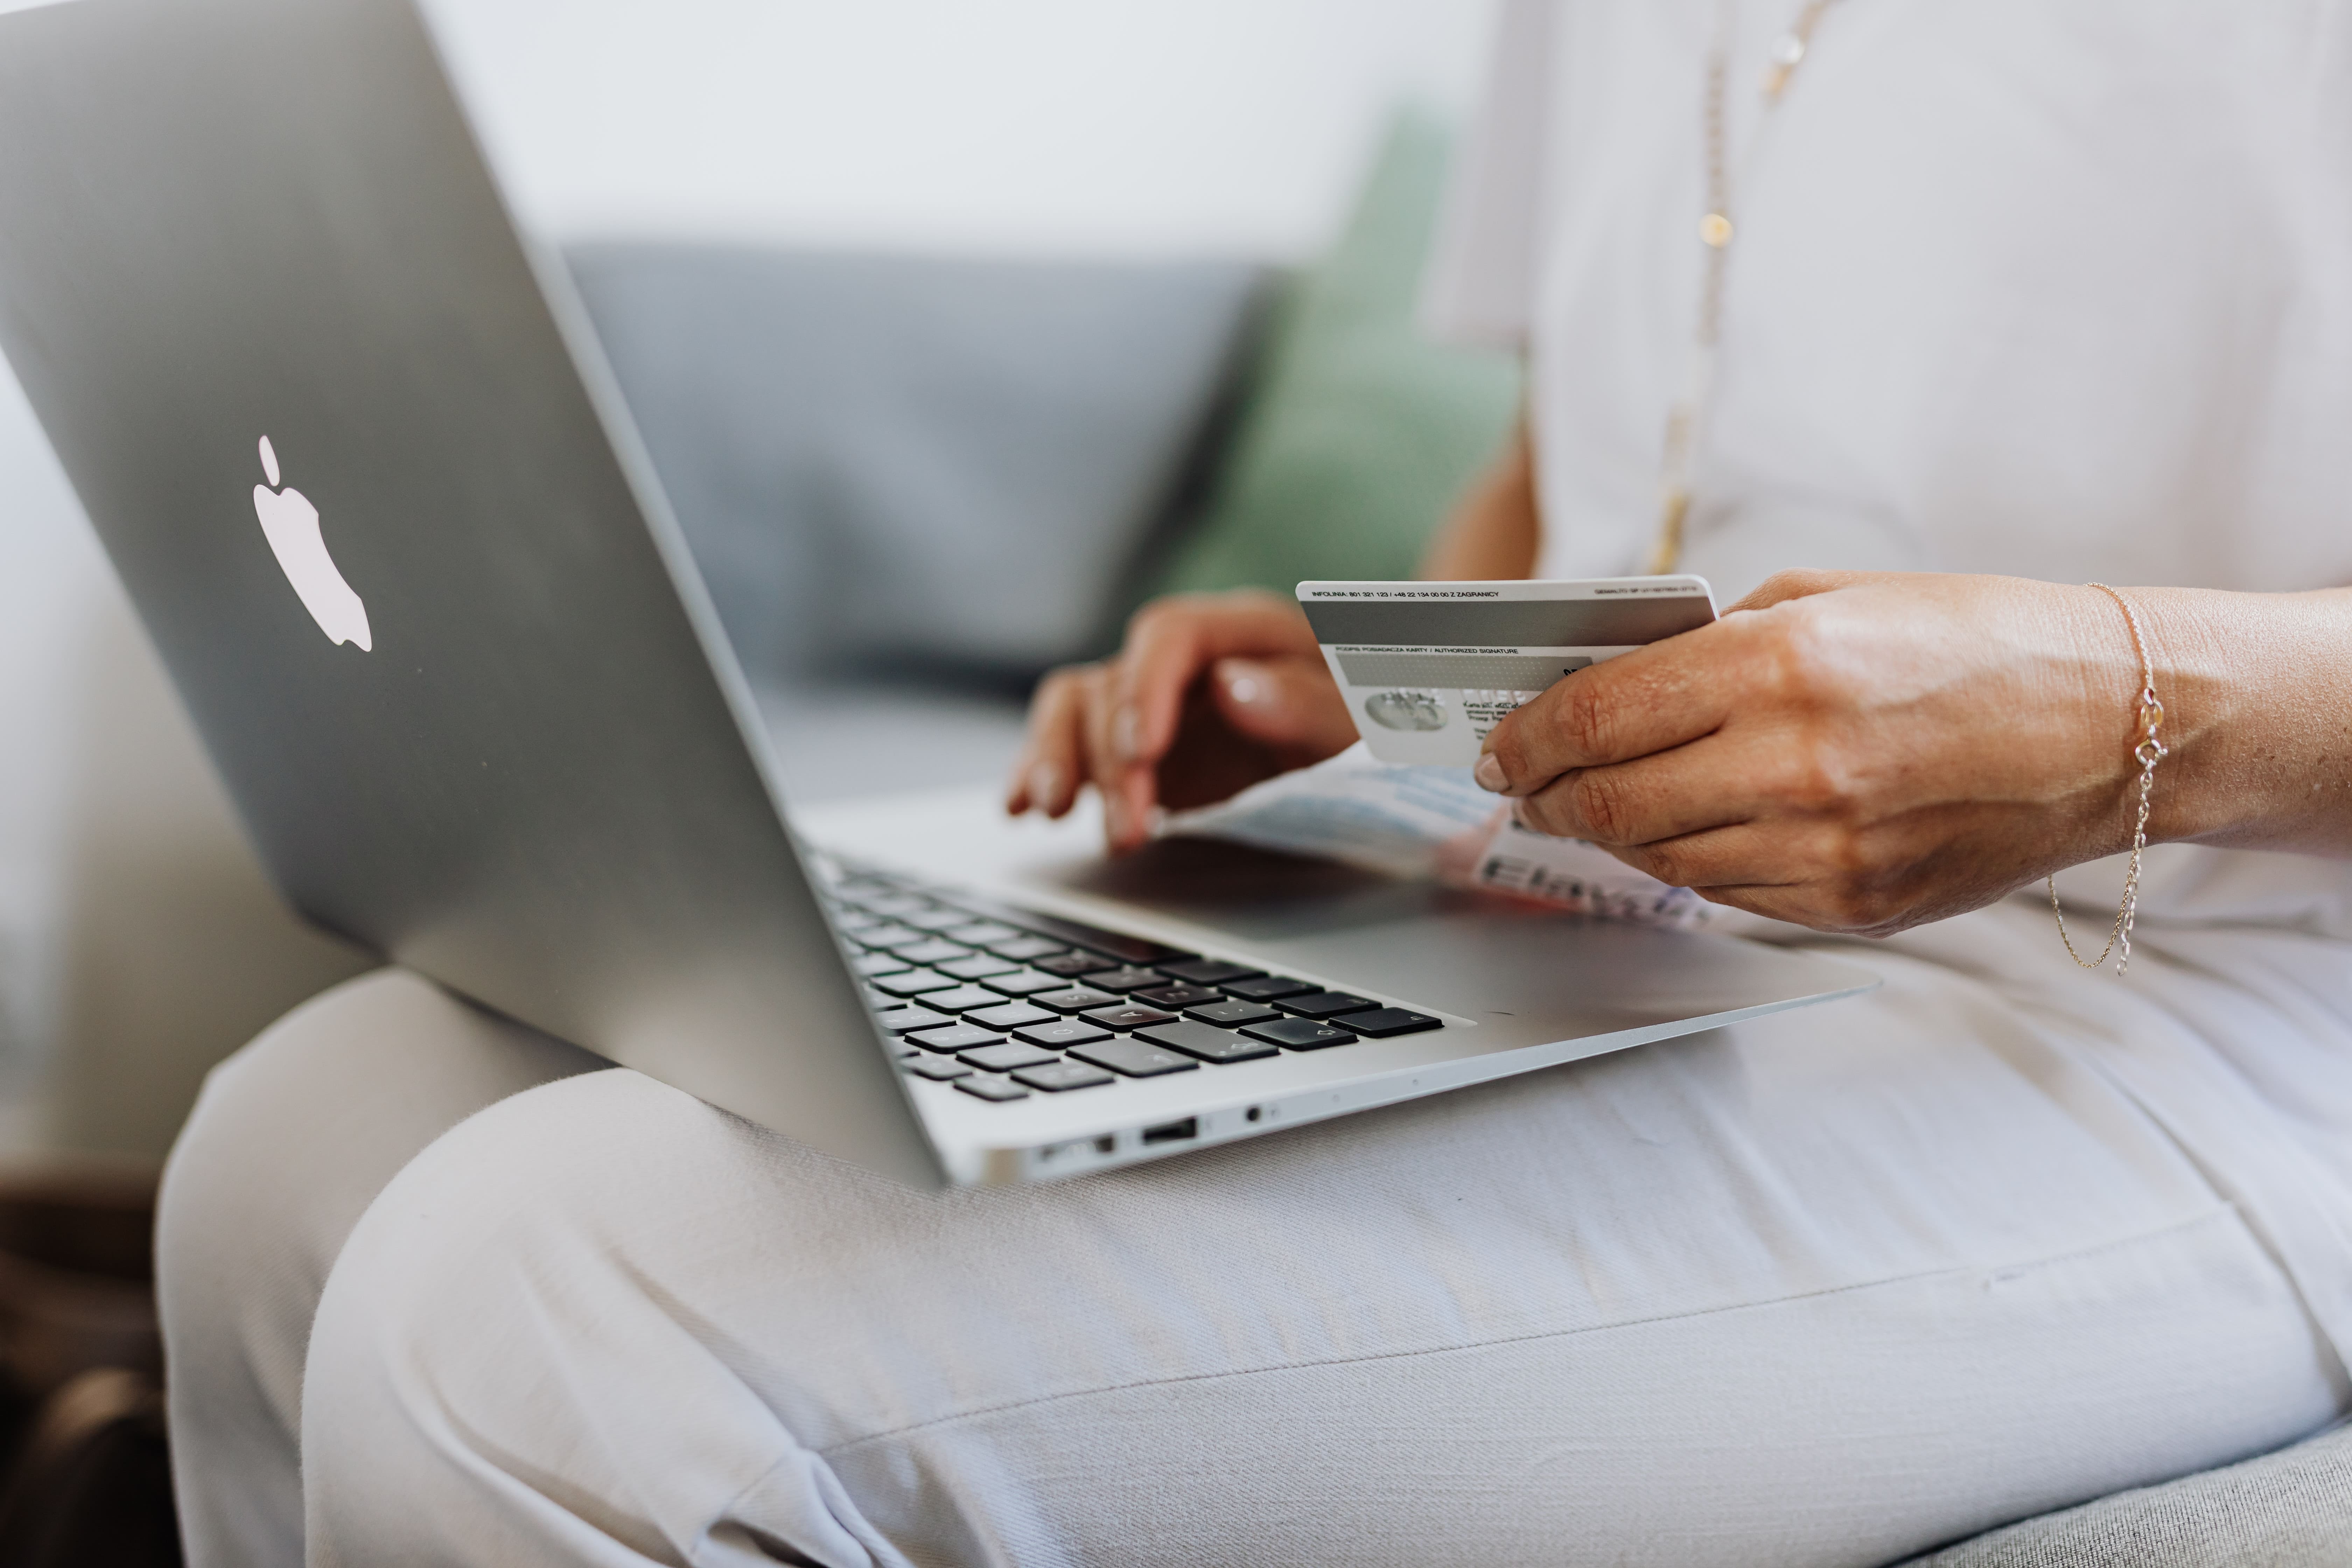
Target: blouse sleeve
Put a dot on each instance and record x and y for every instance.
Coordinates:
(1481, 283)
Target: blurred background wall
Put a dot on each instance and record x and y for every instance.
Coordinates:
(1207, 128)
(1063, 128)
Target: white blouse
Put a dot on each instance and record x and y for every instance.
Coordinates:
(2060, 288)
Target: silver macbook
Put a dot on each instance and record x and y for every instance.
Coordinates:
(357, 458)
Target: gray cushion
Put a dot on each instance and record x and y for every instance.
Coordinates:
(886, 459)
(2292, 1508)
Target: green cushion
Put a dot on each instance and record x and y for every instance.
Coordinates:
(1359, 432)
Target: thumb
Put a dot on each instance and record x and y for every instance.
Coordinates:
(1800, 583)
(1285, 702)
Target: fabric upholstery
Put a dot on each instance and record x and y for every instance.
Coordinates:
(2292, 1508)
(886, 460)
(1360, 431)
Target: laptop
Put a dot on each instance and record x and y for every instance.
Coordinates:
(354, 452)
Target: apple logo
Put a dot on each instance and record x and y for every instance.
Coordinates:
(291, 523)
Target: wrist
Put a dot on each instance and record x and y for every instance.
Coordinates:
(2222, 660)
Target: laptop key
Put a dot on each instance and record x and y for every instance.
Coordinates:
(978, 966)
(932, 951)
(1077, 999)
(936, 920)
(1266, 987)
(1070, 965)
(1061, 1033)
(1382, 1022)
(955, 1037)
(1210, 971)
(1231, 1015)
(962, 999)
(1178, 997)
(1011, 1016)
(1023, 983)
(870, 965)
(1119, 947)
(994, 1089)
(893, 904)
(1200, 1040)
(913, 982)
(979, 934)
(939, 1069)
(1126, 1015)
(1136, 1058)
(1007, 1058)
(1056, 1077)
(1025, 948)
(905, 1020)
(1125, 979)
(893, 937)
(1300, 1034)
(1325, 1003)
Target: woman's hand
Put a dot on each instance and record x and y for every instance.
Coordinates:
(1210, 693)
(1851, 752)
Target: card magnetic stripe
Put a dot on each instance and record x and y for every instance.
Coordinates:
(1509, 623)
(1479, 671)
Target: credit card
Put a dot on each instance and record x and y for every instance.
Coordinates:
(1428, 668)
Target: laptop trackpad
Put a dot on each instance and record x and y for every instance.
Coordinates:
(1554, 974)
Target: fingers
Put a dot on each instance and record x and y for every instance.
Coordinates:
(1290, 703)
(1111, 725)
(1069, 747)
(1737, 856)
(1637, 704)
(1815, 875)
(1125, 779)
(1689, 789)
(1172, 641)
(1053, 763)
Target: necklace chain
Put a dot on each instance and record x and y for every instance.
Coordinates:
(2148, 751)
(1715, 233)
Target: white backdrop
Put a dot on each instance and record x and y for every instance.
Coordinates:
(1056, 126)
(1042, 127)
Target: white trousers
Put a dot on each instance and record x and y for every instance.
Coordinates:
(1830, 1288)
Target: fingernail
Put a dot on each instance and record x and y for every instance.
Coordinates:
(1489, 774)
(1044, 786)
(1114, 817)
(1126, 737)
(1244, 688)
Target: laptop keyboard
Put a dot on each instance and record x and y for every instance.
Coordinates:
(1006, 1003)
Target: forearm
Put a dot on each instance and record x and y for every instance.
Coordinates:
(1493, 533)
(2257, 693)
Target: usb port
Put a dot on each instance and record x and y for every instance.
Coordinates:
(1173, 1132)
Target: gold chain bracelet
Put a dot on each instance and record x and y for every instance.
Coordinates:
(2148, 751)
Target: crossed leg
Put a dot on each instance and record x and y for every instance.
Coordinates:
(1828, 1287)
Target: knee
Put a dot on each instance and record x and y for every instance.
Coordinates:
(289, 1142)
(295, 1134)
(496, 1365)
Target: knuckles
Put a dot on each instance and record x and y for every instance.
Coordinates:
(1670, 862)
(1798, 659)
(1586, 716)
(1591, 804)
(1578, 719)
(1599, 801)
